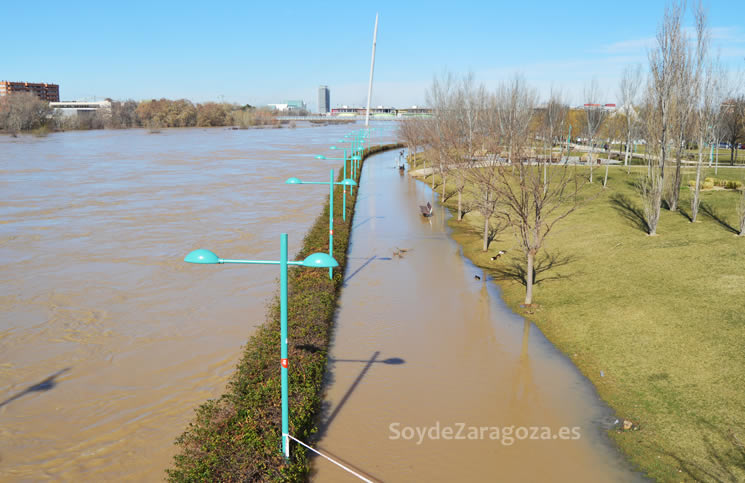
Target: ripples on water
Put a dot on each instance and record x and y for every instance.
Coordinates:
(108, 339)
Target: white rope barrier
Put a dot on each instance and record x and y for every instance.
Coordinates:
(329, 458)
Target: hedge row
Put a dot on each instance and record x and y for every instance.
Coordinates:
(237, 436)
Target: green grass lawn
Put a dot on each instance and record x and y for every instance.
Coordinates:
(724, 154)
(663, 317)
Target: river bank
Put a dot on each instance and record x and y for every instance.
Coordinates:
(652, 322)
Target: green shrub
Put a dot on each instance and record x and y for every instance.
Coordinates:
(710, 183)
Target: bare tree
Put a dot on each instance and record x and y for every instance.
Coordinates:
(482, 175)
(733, 123)
(664, 63)
(686, 90)
(651, 183)
(440, 98)
(628, 93)
(707, 102)
(508, 121)
(532, 203)
(552, 122)
(470, 109)
(410, 133)
(595, 115)
(515, 103)
(664, 66)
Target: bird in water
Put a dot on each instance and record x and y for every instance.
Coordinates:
(477, 277)
(399, 252)
(499, 254)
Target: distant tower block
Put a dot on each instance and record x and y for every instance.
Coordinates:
(324, 100)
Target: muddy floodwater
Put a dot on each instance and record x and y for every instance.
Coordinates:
(108, 340)
(432, 378)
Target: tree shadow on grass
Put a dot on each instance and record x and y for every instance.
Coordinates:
(517, 270)
(629, 211)
(711, 212)
(725, 454)
(684, 212)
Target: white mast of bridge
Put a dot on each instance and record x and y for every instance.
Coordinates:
(372, 68)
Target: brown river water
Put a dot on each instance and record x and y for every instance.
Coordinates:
(108, 340)
(425, 355)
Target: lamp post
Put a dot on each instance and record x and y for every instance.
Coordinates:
(356, 153)
(318, 260)
(331, 183)
(344, 198)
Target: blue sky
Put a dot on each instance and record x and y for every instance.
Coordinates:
(262, 52)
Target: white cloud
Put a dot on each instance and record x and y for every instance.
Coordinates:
(628, 46)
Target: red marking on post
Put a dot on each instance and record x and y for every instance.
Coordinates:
(331, 232)
(284, 363)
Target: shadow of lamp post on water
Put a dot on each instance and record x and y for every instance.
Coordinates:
(317, 260)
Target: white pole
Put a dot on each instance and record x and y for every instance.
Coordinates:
(372, 68)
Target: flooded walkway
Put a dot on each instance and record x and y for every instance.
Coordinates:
(432, 378)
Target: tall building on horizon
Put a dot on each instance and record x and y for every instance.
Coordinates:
(44, 91)
(324, 100)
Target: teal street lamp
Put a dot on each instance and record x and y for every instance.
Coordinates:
(355, 166)
(317, 260)
(344, 199)
(331, 183)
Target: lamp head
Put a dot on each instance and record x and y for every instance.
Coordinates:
(320, 156)
(348, 182)
(202, 256)
(333, 147)
(320, 260)
(357, 157)
(293, 181)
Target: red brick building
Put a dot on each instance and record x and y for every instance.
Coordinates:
(45, 92)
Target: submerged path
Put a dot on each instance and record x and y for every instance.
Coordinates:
(432, 378)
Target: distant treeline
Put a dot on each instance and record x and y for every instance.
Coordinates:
(26, 112)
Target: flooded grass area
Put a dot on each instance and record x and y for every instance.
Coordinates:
(654, 322)
(425, 355)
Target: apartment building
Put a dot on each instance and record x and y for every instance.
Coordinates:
(44, 91)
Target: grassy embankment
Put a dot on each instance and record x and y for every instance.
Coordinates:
(237, 436)
(663, 317)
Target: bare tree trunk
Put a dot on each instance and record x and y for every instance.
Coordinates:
(442, 175)
(675, 194)
(605, 178)
(741, 213)
(651, 188)
(697, 190)
(486, 233)
(460, 205)
(529, 279)
(626, 155)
